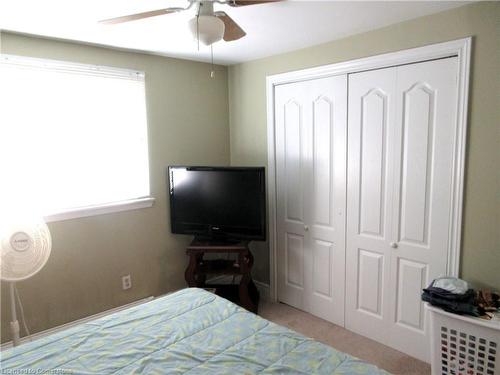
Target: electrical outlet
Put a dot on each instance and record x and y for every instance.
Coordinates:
(126, 282)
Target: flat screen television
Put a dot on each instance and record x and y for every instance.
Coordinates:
(218, 203)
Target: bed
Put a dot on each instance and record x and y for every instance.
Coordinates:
(188, 332)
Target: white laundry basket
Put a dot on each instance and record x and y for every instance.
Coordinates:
(463, 345)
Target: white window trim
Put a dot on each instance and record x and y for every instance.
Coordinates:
(59, 65)
(100, 209)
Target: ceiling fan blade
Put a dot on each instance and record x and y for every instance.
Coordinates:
(232, 30)
(138, 16)
(240, 3)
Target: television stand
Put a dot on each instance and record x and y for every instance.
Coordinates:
(244, 293)
(216, 242)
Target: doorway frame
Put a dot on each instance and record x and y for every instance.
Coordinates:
(461, 48)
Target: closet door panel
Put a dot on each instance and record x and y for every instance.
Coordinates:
(401, 134)
(373, 123)
(411, 279)
(323, 189)
(294, 261)
(311, 120)
(327, 172)
(293, 159)
(322, 277)
(371, 114)
(370, 282)
(291, 148)
(427, 97)
(416, 157)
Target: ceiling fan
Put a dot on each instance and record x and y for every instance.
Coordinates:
(208, 26)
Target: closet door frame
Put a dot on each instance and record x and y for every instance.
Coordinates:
(461, 48)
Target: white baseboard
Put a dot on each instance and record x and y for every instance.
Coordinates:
(264, 290)
(63, 327)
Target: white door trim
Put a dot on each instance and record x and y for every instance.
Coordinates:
(460, 48)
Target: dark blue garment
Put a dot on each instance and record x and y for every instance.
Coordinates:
(451, 302)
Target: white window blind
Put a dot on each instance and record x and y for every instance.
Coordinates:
(71, 135)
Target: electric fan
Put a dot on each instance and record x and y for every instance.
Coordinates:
(24, 249)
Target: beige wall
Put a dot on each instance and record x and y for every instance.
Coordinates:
(188, 124)
(481, 228)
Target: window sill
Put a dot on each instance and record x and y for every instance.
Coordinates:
(100, 209)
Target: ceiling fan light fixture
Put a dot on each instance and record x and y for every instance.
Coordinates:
(207, 29)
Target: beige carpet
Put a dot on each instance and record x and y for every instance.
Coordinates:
(341, 339)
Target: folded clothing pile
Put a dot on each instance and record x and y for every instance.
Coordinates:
(455, 296)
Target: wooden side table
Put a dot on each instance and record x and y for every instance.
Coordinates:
(245, 293)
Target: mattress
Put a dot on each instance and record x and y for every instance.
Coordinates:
(188, 332)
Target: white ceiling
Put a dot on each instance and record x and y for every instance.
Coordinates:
(271, 28)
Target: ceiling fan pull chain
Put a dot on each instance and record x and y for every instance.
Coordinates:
(198, 31)
(212, 72)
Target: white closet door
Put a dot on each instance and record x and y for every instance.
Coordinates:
(311, 167)
(398, 224)
(291, 114)
(372, 113)
(427, 97)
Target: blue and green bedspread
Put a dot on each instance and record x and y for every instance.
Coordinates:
(188, 332)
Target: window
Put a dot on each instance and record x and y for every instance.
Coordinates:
(73, 137)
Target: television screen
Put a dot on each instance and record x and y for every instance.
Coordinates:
(218, 202)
